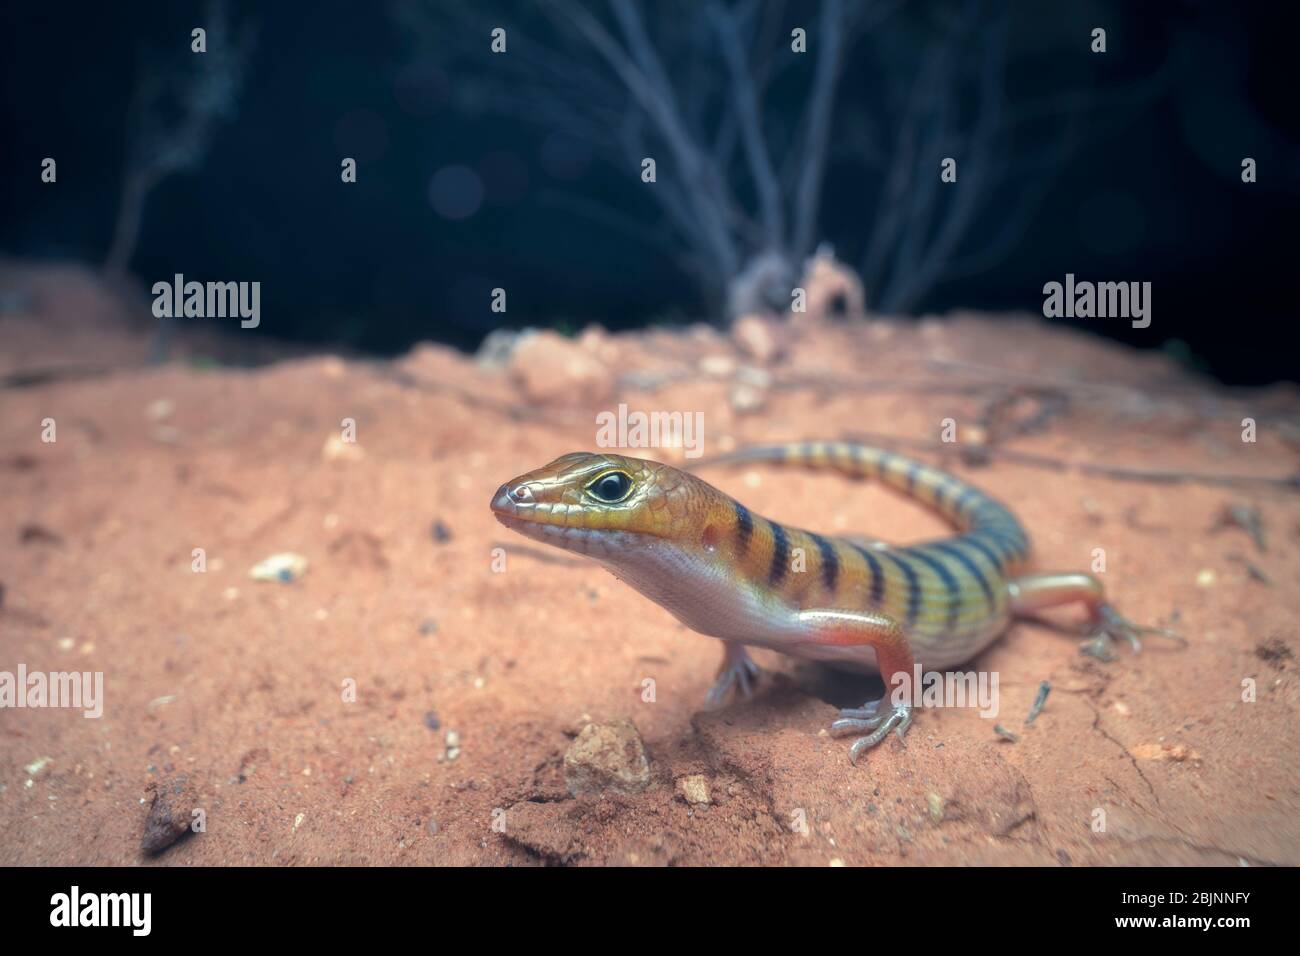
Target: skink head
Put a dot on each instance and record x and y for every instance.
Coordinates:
(595, 503)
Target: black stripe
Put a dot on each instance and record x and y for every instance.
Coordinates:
(913, 588)
(1010, 537)
(744, 527)
(940, 493)
(959, 504)
(950, 583)
(1006, 538)
(877, 573)
(992, 540)
(983, 549)
(954, 551)
(913, 469)
(780, 554)
(858, 455)
(830, 562)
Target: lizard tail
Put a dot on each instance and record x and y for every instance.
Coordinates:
(962, 504)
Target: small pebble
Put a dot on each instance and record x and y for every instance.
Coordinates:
(695, 789)
(936, 806)
(607, 757)
(284, 567)
(336, 449)
(171, 812)
(717, 366)
(746, 399)
(37, 765)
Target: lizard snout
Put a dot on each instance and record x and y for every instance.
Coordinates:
(511, 496)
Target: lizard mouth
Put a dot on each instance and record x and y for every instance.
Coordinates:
(523, 518)
(598, 543)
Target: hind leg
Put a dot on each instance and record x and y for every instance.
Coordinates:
(1037, 591)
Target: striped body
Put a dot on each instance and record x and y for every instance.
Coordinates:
(950, 596)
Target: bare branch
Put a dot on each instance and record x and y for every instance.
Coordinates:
(201, 94)
(751, 124)
(922, 262)
(645, 81)
(821, 102)
(890, 213)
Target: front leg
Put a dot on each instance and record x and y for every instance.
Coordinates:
(893, 659)
(738, 670)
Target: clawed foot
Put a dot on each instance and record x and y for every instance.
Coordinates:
(1113, 626)
(855, 719)
(738, 671)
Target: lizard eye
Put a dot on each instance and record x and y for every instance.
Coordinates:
(611, 487)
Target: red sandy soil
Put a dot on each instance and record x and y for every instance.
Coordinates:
(227, 693)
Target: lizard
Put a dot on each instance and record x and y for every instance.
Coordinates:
(728, 573)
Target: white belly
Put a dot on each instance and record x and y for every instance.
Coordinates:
(702, 595)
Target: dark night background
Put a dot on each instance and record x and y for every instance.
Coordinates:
(1152, 191)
